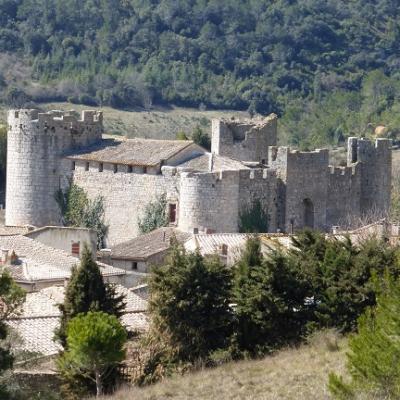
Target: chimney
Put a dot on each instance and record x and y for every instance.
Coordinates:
(4, 256)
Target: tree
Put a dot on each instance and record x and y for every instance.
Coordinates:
(254, 219)
(86, 291)
(95, 343)
(189, 305)
(372, 361)
(201, 138)
(269, 299)
(155, 215)
(78, 210)
(11, 299)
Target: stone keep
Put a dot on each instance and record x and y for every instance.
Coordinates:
(36, 143)
(244, 140)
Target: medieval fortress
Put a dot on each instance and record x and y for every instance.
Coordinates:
(205, 191)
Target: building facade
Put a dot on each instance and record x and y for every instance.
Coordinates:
(205, 191)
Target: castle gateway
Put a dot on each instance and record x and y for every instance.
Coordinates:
(205, 191)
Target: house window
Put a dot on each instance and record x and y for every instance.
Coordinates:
(130, 169)
(115, 168)
(172, 213)
(101, 167)
(195, 231)
(145, 170)
(73, 165)
(86, 166)
(75, 249)
(134, 266)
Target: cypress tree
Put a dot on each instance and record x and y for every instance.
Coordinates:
(189, 305)
(87, 291)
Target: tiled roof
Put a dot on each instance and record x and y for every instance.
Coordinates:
(139, 152)
(144, 246)
(219, 163)
(40, 262)
(13, 230)
(40, 316)
(36, 334)
(211, 243)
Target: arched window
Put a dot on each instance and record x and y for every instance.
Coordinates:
(308, 213)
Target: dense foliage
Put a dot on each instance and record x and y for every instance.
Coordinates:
(189, 305)
(155, 215)
(318, 283)
(11, 298)
(254, 219)
(95, 347)
(303, 56)
(78, 210)
(372, 360)
(86, 291)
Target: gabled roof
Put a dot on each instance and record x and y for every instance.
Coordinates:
(38, 262)
(144, 246)
(135, 152)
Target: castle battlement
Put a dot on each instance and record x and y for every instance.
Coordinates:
(344, 171)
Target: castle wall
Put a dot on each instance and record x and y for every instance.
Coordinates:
(209, 201)
(376, 165)
(259, 185)
(302, 187)
(125, 194)
(35, 144)
(245, 141)
(344, 194)
(214, 201)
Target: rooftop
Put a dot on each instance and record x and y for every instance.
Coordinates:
(40, 316)
(38, 262)
(144, 246)
(135, 152)
(219, 163)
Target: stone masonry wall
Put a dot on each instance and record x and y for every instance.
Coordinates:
(209, 201)
(376, 164)
(125, 195)
(244, 140)
(344, 194)
(303, 178)
(36, 142)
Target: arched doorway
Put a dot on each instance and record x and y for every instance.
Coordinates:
(308, 213)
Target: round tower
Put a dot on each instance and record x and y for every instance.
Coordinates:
(35, 145)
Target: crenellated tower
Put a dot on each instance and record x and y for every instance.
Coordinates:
(36, 143)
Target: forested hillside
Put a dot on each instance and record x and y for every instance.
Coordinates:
(300, 57)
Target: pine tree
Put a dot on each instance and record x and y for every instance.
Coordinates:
(373, 360)
(95, 347)
(86, 291)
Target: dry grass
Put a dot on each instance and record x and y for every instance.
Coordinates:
(291, 374)
(161, 123)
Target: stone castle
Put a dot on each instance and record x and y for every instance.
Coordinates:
(205, 191)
